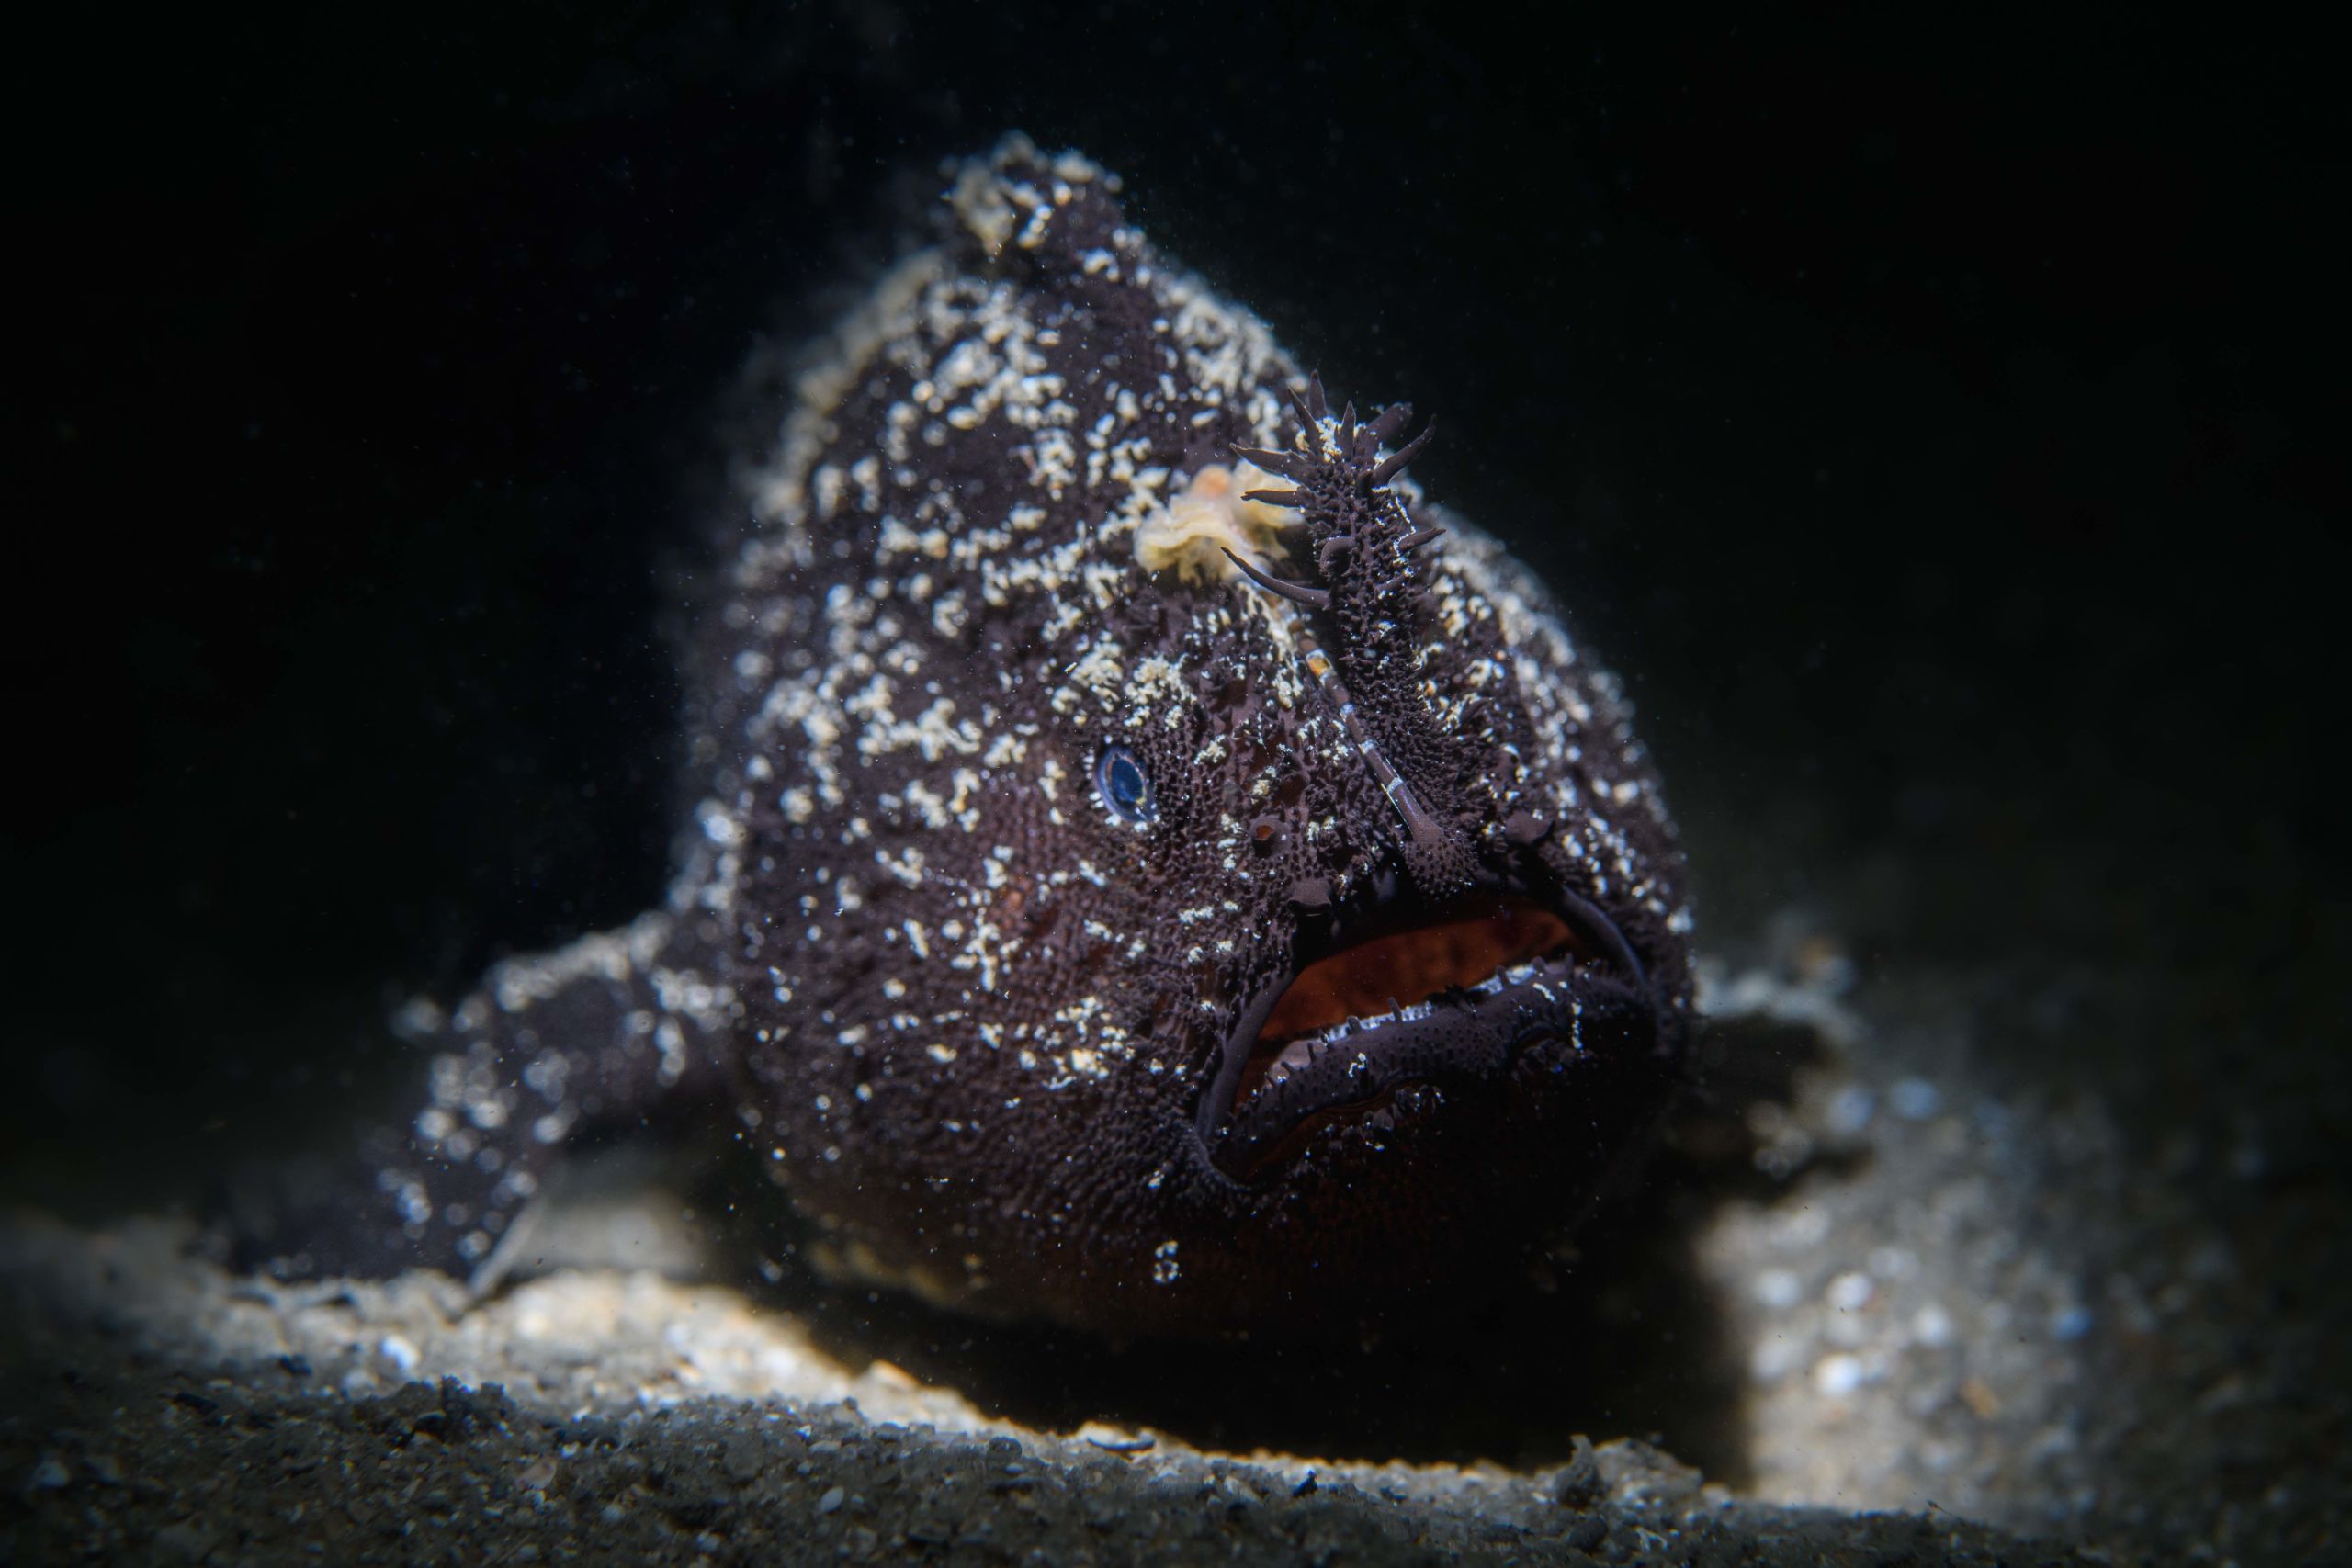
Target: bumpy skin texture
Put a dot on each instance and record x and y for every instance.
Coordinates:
(979, 1022)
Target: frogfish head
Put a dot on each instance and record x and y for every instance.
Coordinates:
(1292, 936)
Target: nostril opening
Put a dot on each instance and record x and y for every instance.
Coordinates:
(1265, 835)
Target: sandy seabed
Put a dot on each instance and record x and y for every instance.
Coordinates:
(1949, 1320)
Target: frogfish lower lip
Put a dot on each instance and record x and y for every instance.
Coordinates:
(1449, 997)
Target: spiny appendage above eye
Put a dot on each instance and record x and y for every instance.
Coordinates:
(1361, 614)
(1341, 458)
(1123, 786)
(1351, 533)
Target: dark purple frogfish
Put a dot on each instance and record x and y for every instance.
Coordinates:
(1154, 870)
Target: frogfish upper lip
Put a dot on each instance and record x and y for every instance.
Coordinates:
(1402, 991)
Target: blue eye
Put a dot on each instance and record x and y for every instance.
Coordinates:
(1124, 787)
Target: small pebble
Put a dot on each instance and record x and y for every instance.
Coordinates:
(2070, 1323)
(1839, 1375)
(1779, 1288)
(1894, 1262)
(50, 1474)
(400, 1353)
(744, 1457)
(831, 1500)
(1916, 1099)
(1932, 1326)
(537, 1475)
(1773, 1359)
(1579, 1484)
(1852, 1112)
(191, 1540)
(1850, 1292)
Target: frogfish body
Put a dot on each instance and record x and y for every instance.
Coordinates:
(1154, 869)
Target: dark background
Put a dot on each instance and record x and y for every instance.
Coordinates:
(1939, 429)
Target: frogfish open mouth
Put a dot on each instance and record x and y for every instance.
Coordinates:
(1152, 867)
(1445, 993)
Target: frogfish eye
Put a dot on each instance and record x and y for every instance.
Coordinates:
(1124, 787)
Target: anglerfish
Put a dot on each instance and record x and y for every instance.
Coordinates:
(1154, 869)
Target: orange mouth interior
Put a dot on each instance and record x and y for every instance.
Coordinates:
(1409, 967)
